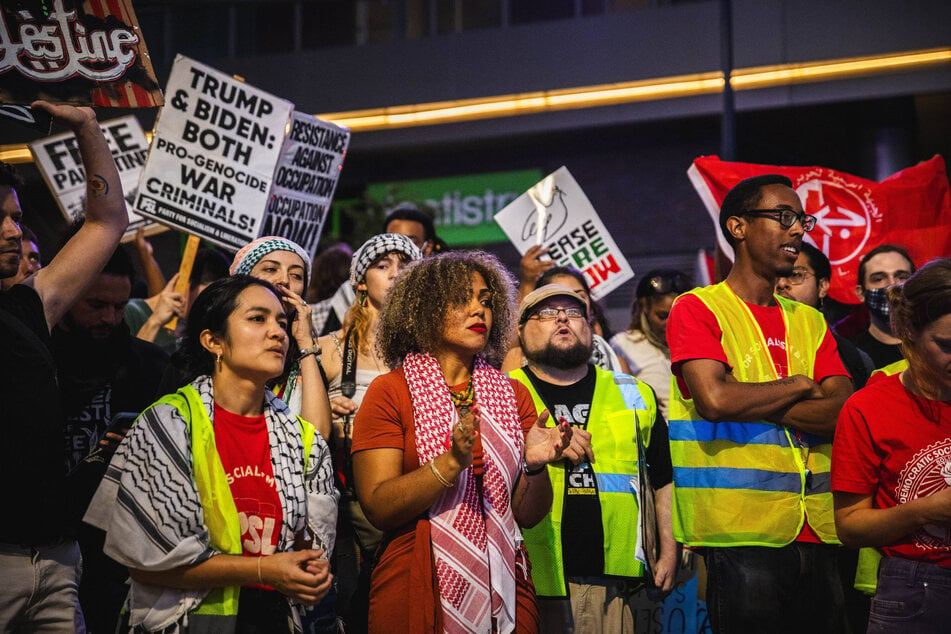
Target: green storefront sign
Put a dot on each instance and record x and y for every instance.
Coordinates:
(463, 206)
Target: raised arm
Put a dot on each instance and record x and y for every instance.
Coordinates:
(66, 277)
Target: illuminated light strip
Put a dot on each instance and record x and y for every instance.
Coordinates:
(395, 117)
(527, 103)
(763, 76)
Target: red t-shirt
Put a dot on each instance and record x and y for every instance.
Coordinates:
(896, 446)
(245, 453)
(693, 332)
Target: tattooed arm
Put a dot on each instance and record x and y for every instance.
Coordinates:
(77, 264)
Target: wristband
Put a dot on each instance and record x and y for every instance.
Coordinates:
(314, 349)
(260, 578)
(531, 472)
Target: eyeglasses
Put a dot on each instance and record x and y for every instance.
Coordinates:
(547, 314)
(798, 276)
(786, 217)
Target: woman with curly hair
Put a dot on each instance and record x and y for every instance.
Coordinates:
(219, 501)
(449, 456)
(891, 476)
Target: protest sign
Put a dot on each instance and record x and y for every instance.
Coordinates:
(305, 179)
(911, 208)
(213, 155)
(61, 165)
(84, 53)
(557, 214)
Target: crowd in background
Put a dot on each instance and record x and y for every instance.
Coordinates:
(404, 437)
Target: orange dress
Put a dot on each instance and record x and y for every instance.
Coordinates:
(403, 589)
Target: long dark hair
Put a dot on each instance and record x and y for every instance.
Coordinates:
(210, 312)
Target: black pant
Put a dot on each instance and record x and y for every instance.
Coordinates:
(793, 589)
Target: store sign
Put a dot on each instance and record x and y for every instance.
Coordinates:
(463, 207)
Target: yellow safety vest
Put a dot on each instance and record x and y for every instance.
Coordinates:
(610, 421)
(750, 483)
(217, 503)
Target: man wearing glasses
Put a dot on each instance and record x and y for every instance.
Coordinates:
(757, 387)
(583, 551)
(809, 283)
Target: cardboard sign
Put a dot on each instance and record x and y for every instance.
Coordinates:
(557, 214)
(91, 55)
(59, 162)
(213, 155)
(305, 179)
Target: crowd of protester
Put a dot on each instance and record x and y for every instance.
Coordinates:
(408, 438)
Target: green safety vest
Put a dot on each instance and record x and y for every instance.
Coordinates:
(750, 483)
(217, 503)
(610, 421)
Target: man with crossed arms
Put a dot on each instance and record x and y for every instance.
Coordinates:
(756, 391)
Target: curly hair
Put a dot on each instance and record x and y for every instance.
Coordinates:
(921, 300)
(414, 315)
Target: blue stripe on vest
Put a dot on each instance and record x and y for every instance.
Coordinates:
(817, 483)
(740, 433)
(730, 478)
(615, 482)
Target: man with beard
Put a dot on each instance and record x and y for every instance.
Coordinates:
(103, 371)
(38, 555)
(757, 388)
(583, 551)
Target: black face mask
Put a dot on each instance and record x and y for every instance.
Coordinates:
(876, 299)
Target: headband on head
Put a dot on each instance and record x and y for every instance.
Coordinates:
(251, 253)
(375, 247)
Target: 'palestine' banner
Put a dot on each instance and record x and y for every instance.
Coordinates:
(911, 208)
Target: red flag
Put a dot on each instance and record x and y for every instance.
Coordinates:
(911, 208)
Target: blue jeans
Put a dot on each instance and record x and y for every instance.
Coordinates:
(912, 598)
(794, 588)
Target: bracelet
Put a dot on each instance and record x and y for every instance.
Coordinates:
(314, 349)
(260, 578)
(443, 481)
(531, 472)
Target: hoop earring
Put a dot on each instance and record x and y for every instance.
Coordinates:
(218, 361)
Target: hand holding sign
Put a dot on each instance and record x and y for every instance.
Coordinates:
(556, 214)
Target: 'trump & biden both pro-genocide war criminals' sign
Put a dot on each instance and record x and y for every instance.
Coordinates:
(90, 53)
(557, 214)
(59, 161)
(305, 179)
(210, 166)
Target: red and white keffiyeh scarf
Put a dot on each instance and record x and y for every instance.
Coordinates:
(474, 540)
